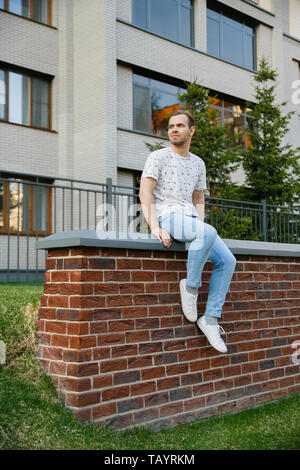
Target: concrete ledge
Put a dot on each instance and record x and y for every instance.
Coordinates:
(144, 241)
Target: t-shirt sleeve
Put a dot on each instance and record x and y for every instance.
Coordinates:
(201, 181)
(152, 166)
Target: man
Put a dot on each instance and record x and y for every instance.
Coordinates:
(172, 197)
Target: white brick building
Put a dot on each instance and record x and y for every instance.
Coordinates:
(71, 74)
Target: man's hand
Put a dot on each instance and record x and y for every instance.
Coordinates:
(163, 236)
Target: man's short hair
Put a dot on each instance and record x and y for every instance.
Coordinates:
(190, 117)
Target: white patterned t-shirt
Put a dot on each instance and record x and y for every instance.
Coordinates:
(177, 178)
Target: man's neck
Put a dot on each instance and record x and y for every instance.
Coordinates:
(182, 150)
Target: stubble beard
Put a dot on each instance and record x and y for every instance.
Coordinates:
(179, 141)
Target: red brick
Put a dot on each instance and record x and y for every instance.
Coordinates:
(57, 252)
(153, 265)
(47, 313)
(106, 288)
(59, 327)
(109, 366)
(120, 351)
(82, 370)
(104, 410)
(122, 325)
(113, 338)
(172, 382)
(87, 302)
(128, 264)
(52, 288)
(115, 393)
(74, 385)
(59, 276)
(102, 381)
(77, 328)
(171, 409)
(83, 342)
(57, 368)
(143, 388)
(70, 355)
(83, 399)
(101, 263)
(194, 404)
(58, 301)
(142, 276)
(119, 300)
(60, 341)
(116, 276)
(84, 251)
(134, 312)
(153, 373)
(86, 276)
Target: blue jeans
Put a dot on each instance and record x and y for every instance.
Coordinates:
(204, 243)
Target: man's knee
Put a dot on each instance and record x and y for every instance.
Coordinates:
(210, 233)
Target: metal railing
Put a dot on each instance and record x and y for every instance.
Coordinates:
(30, 210)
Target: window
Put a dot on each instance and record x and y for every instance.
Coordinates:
(153, 102)
(24, 99)
(234, 116)
(38, 10)
(171, 19)
(24, 208)
(230, 36)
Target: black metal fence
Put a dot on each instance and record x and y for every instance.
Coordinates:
(34, 208)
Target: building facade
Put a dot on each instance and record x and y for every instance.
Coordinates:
(83, 85)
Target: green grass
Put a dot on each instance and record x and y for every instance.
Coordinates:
(33, 417)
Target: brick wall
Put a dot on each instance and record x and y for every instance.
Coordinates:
(112, 335)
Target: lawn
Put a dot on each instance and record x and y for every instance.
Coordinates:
(33, 417)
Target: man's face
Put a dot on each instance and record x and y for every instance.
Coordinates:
(179, 131)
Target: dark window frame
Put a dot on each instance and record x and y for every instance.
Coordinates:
(226, 13)
(30, 17)
(148, 23)
(31, 75)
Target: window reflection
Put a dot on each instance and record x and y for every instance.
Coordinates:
(40, 103)
(39, 10)
(27, 207)
(230, 38)
(2, 94)
(20, 7)
(18, 203)
(153, 104)
(168, 18)
(234, 117)
(19, 96)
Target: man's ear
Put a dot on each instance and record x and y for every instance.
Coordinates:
(192, 130)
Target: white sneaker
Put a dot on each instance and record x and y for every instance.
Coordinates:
(188, 302)
(212, 332)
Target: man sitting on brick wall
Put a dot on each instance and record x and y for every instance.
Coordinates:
(172, 197)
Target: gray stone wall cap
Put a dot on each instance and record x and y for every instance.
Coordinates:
(145, 241)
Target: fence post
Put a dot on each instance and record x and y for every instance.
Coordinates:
(109, 203)
(264, 219)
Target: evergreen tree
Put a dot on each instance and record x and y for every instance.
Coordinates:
(272, 168)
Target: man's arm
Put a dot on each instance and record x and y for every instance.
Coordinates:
(199, 202)
(148, 207)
